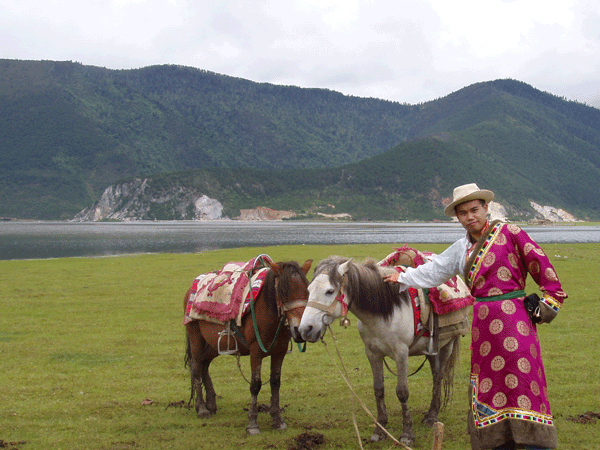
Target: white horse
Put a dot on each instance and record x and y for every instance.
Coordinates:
(386, 326)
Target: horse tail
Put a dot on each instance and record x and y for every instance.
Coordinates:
(448, 371)
(187, 359)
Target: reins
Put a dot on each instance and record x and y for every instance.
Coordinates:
(256, 333)
(414, 373)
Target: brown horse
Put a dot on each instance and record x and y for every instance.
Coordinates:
(283, 297)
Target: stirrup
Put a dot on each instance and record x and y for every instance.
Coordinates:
(228, 350)
(432, 348)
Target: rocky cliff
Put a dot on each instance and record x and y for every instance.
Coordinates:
(136, 201)
(553, 214)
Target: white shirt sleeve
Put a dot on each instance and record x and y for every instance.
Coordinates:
(446, 265)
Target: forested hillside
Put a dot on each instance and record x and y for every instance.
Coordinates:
(412, 181)
(68, 131)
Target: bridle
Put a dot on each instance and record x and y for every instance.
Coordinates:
(290, 306)
(284, 308)
(331, 308)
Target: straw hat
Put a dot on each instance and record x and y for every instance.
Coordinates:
(466, 193)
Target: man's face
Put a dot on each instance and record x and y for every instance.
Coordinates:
(473, 216)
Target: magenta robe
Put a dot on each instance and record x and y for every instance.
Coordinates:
(509, 396)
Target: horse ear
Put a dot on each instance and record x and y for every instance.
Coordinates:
(274, 267)
(344, 267)
(306, 266)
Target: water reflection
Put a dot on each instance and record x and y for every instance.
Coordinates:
(26, 240)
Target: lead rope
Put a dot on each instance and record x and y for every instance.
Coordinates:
(239, 364)
(344, 375)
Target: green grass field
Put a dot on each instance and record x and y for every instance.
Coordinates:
(85, 341)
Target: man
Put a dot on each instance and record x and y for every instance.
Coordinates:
(507, 393)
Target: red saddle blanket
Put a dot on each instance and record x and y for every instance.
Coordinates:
(225, 294)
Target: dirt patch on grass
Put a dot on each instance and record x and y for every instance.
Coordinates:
(585, 418)
(179, 404)
(308, 441)
(11, 445)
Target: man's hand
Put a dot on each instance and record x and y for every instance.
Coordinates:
(391, 277)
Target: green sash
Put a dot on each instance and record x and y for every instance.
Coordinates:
(513, 294)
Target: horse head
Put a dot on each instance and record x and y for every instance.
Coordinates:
(326, 300)
(291, 287)
(341, 284)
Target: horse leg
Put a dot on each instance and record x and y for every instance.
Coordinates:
(211, 395)
(376, 362)
(443, 378)
(408, 436)
(276, 363)
(196, 347)
(435, 363)
(255, 385)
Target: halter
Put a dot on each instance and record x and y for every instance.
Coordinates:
(330, 309)
(290, 306)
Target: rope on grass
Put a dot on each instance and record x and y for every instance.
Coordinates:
(344, 375)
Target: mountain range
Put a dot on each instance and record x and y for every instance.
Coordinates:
(69, 131)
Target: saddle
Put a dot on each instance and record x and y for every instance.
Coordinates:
(223, 295)
(442, 311)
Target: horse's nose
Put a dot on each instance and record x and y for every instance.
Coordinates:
(307, 333)
(304, 331)
(296, 335)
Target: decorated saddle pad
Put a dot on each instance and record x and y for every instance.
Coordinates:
(450, 325)
(447, 300)
(416, 296)
(224, 295)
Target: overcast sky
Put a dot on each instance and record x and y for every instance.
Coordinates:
(401, 50)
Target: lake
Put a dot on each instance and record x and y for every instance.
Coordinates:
(35, 240)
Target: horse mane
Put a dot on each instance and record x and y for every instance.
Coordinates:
(283, 288)
(364, 285)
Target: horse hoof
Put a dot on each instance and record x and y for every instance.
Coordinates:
(253, 431)
(280, 427)
(407, 440)
(378, 437)
(203, 413)
(429, 420)
(211, 408)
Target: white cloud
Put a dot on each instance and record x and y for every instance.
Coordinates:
(409, 51)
